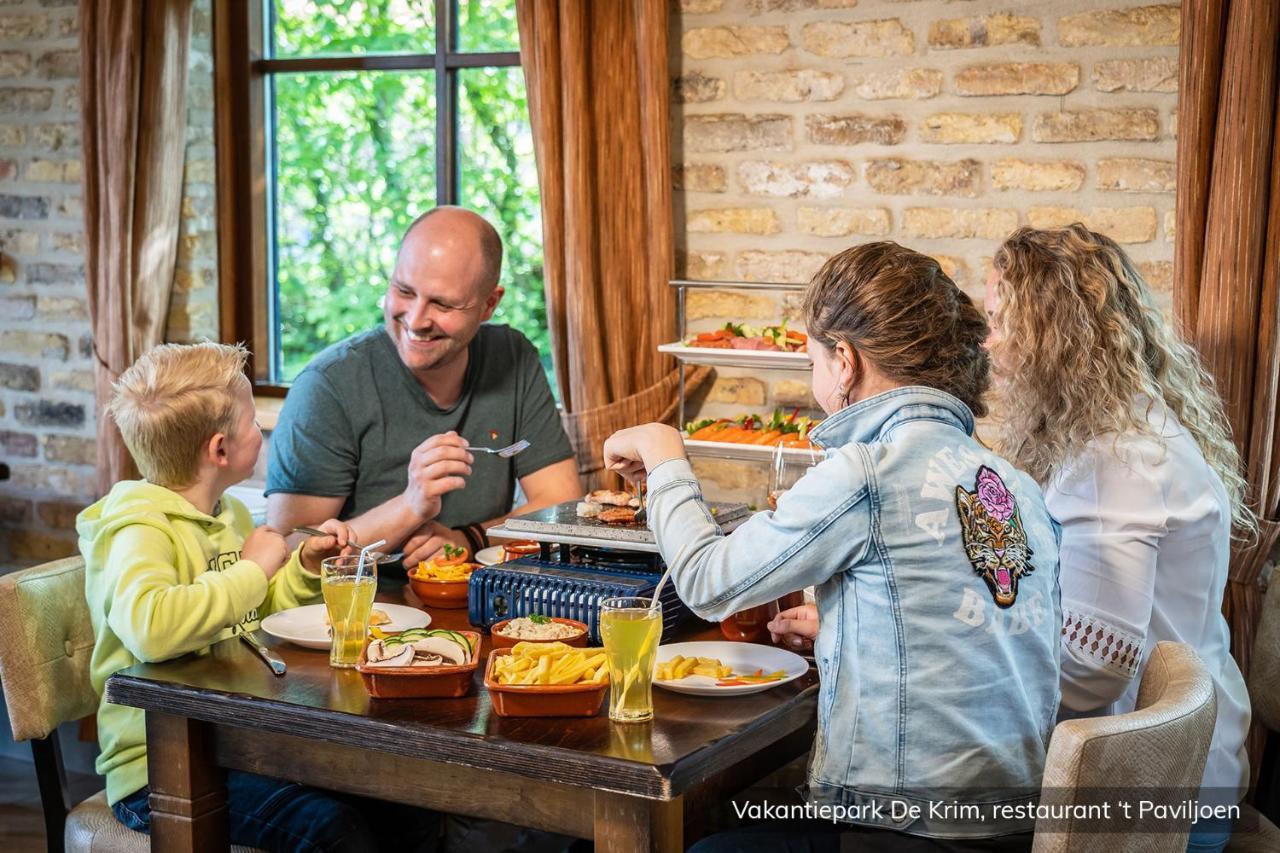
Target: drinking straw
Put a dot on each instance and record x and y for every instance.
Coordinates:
(360, 573)
(634, 672)
(363, 555)
(657, 590)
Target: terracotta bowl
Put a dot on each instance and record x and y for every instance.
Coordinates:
(449, 595)
(498, 641)
(420, 682)
(542, 700)
(520, 548)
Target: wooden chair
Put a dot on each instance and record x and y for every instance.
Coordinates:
(45, 651)
(1161, 745)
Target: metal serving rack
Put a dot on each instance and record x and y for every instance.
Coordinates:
(752, 359)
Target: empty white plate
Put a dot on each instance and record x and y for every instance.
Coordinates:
(743, 658)
(490, 556)
(305, 625)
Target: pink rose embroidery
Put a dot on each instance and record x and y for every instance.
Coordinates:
(994, 496)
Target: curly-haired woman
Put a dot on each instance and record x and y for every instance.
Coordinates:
(1113, 414)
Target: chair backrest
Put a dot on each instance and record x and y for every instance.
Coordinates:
(1264, 669)
(45, 647)
(1159, 748)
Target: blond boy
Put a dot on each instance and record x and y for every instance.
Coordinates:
(173, 565)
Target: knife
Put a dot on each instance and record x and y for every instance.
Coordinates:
(270, 658)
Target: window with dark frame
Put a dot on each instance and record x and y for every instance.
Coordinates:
(338, 122)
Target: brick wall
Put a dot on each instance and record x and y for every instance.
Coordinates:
(802, 127)
(46, 367)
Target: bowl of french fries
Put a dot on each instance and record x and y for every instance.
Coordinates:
(546, 680)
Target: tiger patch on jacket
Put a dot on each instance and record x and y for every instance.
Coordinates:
(994, 539)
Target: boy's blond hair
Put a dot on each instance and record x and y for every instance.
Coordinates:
(173, 400)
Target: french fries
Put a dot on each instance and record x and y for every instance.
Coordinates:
(431, 571)
(550, 663)
(681, 667)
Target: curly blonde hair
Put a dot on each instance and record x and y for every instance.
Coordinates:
(1081, 339)
(898, 308)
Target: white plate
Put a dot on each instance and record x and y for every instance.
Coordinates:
(305, 625)
(750, 358)
(741, 657)
(490, 556)
(751, 452)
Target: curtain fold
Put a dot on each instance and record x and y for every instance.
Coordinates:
(133, 84)
(598, 101)
(1226, 294)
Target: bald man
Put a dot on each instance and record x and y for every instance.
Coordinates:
(375, 430)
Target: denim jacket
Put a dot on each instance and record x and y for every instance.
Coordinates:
(936, 567)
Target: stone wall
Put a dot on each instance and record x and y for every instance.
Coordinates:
(46, 366)
(802, 127)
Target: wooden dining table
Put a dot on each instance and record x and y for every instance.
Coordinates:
(629, 787)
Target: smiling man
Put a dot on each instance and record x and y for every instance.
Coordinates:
(375, 430)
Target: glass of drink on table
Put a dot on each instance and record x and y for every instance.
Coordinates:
(631, 629)
(789, 465)
(348, 597)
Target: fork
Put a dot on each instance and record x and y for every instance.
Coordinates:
(642, 511)
(505, 452)
(314, 531)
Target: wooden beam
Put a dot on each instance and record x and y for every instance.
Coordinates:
(240, 146)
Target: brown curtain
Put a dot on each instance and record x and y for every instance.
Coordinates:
(597, 79)
(1228, 251)
(133, 86)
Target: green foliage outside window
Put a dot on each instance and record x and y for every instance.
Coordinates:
(355, 164)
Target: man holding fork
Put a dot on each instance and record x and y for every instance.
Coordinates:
(377, 429)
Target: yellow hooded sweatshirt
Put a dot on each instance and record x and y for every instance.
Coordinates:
(163, 579)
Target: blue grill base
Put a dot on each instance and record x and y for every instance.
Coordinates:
(530, 585)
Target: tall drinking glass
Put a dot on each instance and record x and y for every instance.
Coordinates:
(349, 601)
(631, 629)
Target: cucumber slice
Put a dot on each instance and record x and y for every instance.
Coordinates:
(459, 638)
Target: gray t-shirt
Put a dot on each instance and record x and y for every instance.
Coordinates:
(354, 415)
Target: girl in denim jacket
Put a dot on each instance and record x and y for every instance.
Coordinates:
(935, 564)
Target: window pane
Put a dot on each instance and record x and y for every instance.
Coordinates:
(499, 179)
(340, 27)
(486, 26)
(355, 162)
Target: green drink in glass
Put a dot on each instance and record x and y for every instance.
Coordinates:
(348, 597)
(631, 629)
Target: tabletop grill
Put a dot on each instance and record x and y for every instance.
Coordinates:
(581, 563)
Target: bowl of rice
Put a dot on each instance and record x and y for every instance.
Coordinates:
(538, 629)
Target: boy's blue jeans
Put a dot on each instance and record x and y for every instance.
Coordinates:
(284, 816)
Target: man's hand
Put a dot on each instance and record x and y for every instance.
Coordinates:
(428, 541)
(316, 548)
(438, 466)
(266, 547)
(635, 451)
(795, 628)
